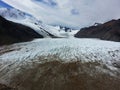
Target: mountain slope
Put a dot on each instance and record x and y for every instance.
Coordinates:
(107, 31)
(18, 16)
(12, 13)
(11, 32)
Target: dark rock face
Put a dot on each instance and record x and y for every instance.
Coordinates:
(107, 31)
(11, 32)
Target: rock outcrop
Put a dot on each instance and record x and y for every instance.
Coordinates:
(107, 31)
(11, 32)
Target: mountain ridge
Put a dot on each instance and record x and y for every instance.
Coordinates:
(107, 31)
(11, 32)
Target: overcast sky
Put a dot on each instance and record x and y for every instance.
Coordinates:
(72, 13)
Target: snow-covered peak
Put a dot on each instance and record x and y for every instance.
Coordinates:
(18, 16)
(15, 14)
(12, 13)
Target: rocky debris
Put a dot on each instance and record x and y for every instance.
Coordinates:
(4, 87)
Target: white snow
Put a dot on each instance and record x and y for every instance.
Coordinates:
(20, 55)
(41, 28)
(68, 49)
(12, 13)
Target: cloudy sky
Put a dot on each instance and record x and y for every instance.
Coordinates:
(2, 4)
(72, 13)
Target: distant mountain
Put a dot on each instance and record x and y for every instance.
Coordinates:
(66, 29)
(11, 32)
(107, 31)
(18, 16)
(45, 30)
(11, 13)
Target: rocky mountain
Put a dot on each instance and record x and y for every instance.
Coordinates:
(56, 63)
(107, 31)
(66, 29)
(11, 32)
(45, 30)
